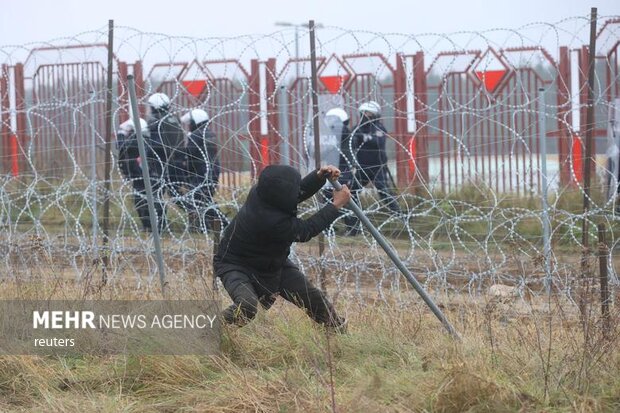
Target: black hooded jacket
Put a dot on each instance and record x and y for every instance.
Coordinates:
(260, 236)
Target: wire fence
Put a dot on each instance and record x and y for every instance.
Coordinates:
(464, 131)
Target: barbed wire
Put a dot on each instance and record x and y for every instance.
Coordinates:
(462, 136)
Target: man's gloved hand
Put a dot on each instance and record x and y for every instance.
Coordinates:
(367, 137)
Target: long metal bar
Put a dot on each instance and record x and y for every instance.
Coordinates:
(93, 173)
(399, 264)
(285, 134)
(542, 139)
(589, 127)
(135, 115)
(108, 148)
(317, 140)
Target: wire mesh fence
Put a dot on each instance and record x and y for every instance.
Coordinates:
(464, 162)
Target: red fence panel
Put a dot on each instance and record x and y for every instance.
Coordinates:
(5, 119)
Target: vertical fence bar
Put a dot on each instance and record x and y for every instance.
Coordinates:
(400, 121)
(564, 115)
(272, 112)
(5, 120)
(421, 117)
(589, 127)
(254, 124)
(603, 255)
(19, 140)
(542, 138)
(285, 134)
(93, 172)
(108, 151)
(317, 139)
(135, 115)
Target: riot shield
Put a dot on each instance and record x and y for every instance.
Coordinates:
(613, 149)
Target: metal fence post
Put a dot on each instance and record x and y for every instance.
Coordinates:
(544, 190)
(108, 149)
(603, 253)
(587, 164)
(285, 135)
(135, 115)
(317, 139)
(93, 173)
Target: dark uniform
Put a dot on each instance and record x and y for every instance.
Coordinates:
(252, 258)
(128, 155)
(166, 160)
(202, 175)
(368, 144)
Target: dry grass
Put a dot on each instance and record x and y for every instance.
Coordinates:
(396, 358)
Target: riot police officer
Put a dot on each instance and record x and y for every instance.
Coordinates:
(129, 165)
(165, 153)
(368, 144)
(203, 170)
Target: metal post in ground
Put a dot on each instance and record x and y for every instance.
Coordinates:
(108, 150)
(542, 137)
(317, 139)
(603, 255)
(587, 162)
(285, 146)
(135, 115)
(399, 264)
(93, 173)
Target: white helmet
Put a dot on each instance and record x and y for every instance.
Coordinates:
(370, 106)
(159, 101)
(338, 112)
(128, 127)
(197, 115)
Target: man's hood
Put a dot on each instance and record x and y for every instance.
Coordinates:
(279, 186)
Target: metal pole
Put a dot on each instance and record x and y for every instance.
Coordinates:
(135, 115)
(317, 140)
(589, 126)
(299, 114)
(399, 264)
(603, 255)
(108, 148)
(542, 138)
(285, 150)
(93, 173)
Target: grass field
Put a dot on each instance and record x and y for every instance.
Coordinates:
(514, 356)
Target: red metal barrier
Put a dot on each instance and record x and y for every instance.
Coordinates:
(254, 126)
(488, 131)
(564, 116)
(64, 90)
(483, 127)
(273, 141)
(20, 133)
(5, 117)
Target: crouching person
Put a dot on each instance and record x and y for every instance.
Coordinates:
(252, 258)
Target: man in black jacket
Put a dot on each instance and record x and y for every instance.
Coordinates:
(203, 170)
(252, 258)
(165, 153)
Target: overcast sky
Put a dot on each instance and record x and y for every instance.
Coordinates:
(23, 21)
